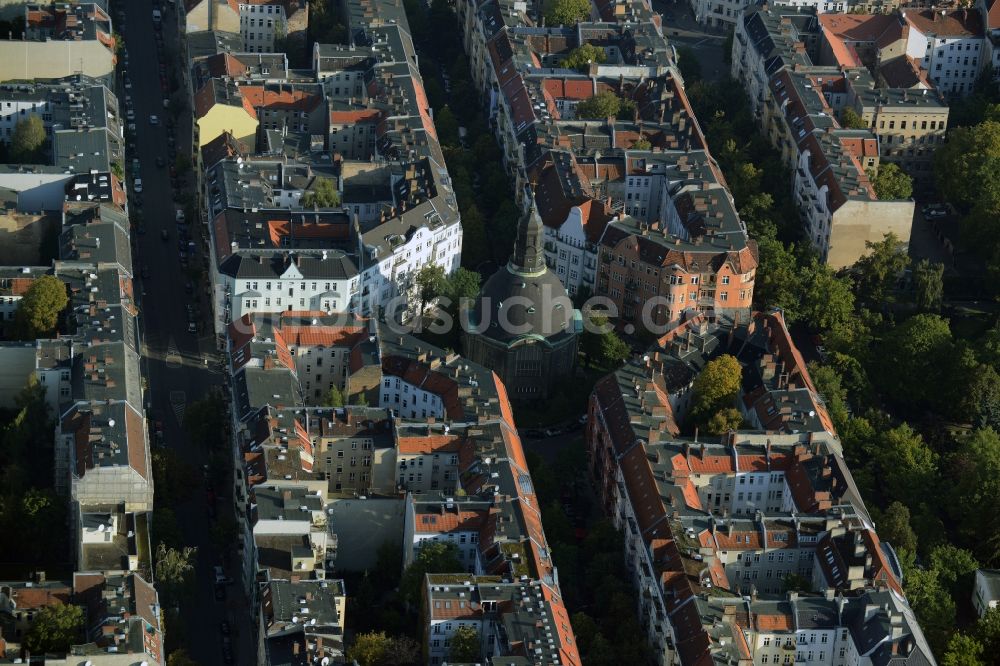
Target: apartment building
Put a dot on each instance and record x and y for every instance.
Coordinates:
(986, 592)
(729, 520)
(457, 471)
(773, 52)
(949, 44)
(60, 40)
(654, 273)
(268, 26)
(302, 618)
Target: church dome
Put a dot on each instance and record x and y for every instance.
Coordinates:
(524, 300)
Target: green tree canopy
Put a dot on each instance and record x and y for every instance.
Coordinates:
(641, 144)
(566, 12)
(876, 272)
(968, 165)
(928, 285)
(38, 311)
(323, 194)
(850, 119)
(431, 283)
(28, 141)
(975, 494)
(434, 557)
(908, 466)
(894, 526)
(463, 283)
(369, 649)
(446, 126)
(464, 647)
(778, 278)
(55, 629)
(725, 420)
(955, 567)
(582, 56)
(334, 398)
(174, 573)
(826, 300)
(891, 182)
(963, 650)
(933, 605)
(602, 105)
(716, 387)
(914, 357)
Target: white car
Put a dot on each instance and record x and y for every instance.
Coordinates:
(179, 216)
(128, 84)
(137, 185)
(153, 120)
(130, 114)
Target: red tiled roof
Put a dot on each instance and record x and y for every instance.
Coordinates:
(953, 23)
(292, 99)
(428, 444)
(448, 521)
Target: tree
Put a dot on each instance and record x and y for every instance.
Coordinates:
(908, 466)
(850, 119)
(180, 658)
(935, 609)
(39, 309)
(725, 420)
(613, 350)
(796, 583)
(369, 649)
(566, 12)
(968, 165)
(462, 284)
(688, 64)
(913, 359)
(431, 283)
(174, 573)
(826, 300)
(978, 398)
(446, 126)
(955, 567)
(988, 630)
(641, 144)
(28, 140)
(830, 387)
(435, 557)
(963, 650)
(582, 56)
(778, 278)
(335, 397)
(118, 170)
(323, 194)
(55, 629)
(464, 645)
(928, 285)
(894, 527)
(401, 651)
(890, 182)
(716, 386)
(877, 271)
(975, 494)
(602, 105)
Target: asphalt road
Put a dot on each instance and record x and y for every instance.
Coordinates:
(174, 359)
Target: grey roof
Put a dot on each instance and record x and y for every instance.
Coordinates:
(336, 265)
(209, 42)
(256, 387)
(286, 503)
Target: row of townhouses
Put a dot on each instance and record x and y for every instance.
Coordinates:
(635, 207)
(798, 103)
(722, 534)
(72, 203)
(437, 448)
(434, 456)
(357, 123)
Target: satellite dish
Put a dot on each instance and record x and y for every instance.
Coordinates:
(111, 423)
(100, 528)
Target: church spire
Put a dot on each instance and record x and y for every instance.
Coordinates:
(529, 255)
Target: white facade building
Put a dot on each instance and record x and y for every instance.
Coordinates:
(949, 45)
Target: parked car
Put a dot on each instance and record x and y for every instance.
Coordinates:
(137, 185)
(153, 120)
(145, 272)
(220, 593)
(534, 434)
(164, 235)
(179, 215)
(160, 162)
(188, 287)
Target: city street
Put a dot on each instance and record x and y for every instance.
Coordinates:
(180, 367)
(681, 29)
